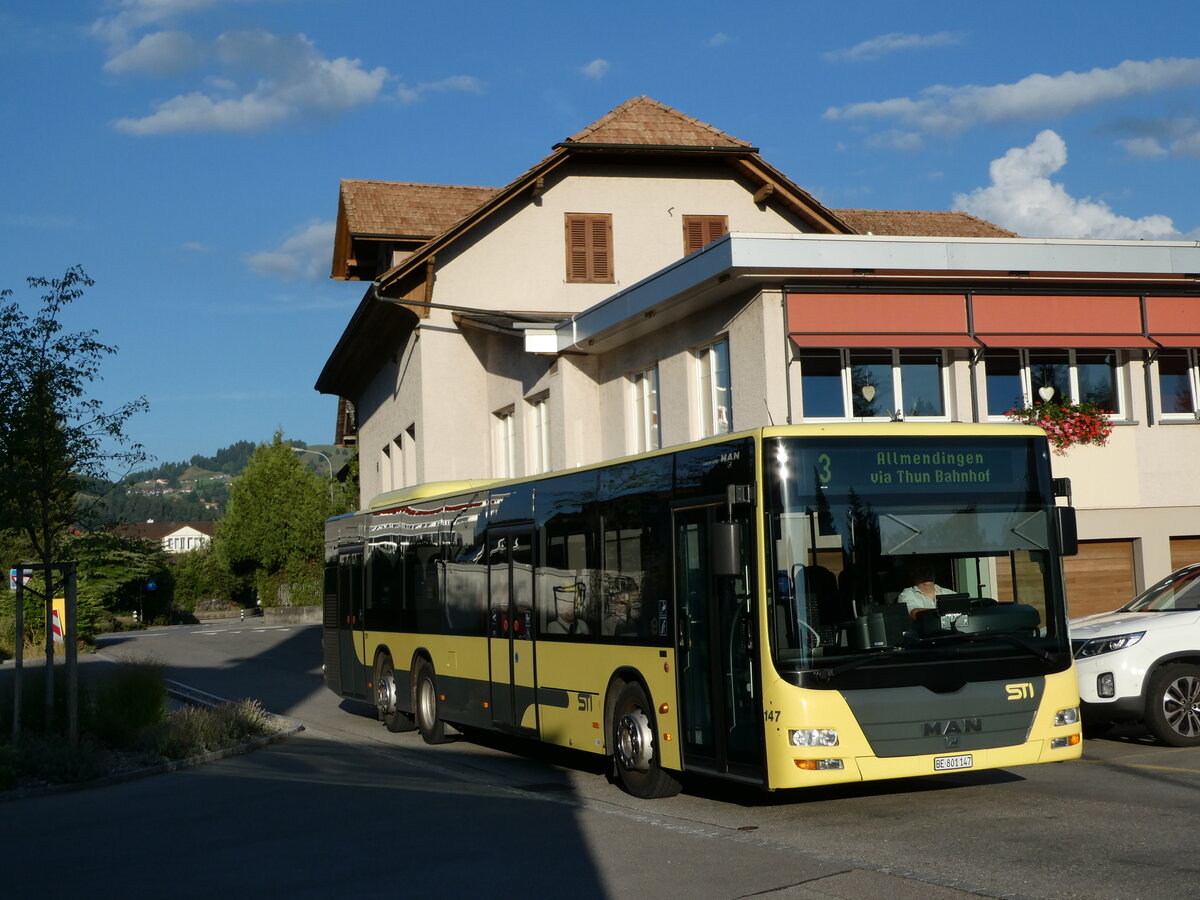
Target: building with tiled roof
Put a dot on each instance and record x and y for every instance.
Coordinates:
(175, 537)
(920, 223)
(654, 280)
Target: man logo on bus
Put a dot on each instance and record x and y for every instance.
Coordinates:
(952, 727)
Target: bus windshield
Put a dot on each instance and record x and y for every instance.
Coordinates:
(888, 553)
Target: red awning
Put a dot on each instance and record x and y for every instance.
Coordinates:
(1174, 321)
(1013, 320)
(991, 320)
(878, 320)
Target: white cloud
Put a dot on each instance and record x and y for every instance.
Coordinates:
(162, 53)
(878, 47)
(1146, 147)
(1158, 137)
(458, 83)
(291, 80)
(1188, 145)
(305, 255)
(596, 69)
(1022, 198)
(944, 109)
(134, 15)
(718, 40)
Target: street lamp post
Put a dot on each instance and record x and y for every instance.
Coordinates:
(328, 462)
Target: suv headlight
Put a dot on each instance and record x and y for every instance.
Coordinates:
(1096, 646)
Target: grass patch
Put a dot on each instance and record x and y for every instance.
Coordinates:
(125, 722)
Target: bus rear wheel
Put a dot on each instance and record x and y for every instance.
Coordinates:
(635, 751)
(428, 715)
(385, 698)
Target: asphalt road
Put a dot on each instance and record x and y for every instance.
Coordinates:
(346, 807)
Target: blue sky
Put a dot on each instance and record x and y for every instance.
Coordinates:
(187, 153)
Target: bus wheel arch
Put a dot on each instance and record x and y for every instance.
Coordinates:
(632, 735)
(387, 706)
(426, 705)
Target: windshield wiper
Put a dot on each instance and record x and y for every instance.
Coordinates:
(828, 674)
(975, 638)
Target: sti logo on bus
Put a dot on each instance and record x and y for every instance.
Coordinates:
(1023, 691)
(952, 727)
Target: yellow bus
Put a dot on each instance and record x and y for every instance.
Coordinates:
(786, 607)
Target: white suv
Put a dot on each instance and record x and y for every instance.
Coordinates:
(1143, 661)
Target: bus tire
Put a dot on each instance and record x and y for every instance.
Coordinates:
(1173, 705)
(425, 704)
(635, 752)
(386, 710)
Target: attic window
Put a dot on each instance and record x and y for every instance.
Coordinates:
(700, 231)
(589, 248)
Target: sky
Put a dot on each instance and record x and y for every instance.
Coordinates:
(187, 153)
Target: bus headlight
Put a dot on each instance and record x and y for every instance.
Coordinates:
(813, 737)
(1067, 716)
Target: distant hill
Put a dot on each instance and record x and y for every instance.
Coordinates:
(196, 490)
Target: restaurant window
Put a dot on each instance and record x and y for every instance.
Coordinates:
(873, 384)
(1014, 378)
(1178, 383)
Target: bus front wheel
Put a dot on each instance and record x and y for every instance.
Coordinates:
(635, 753)
(386, 710)
(428, 715)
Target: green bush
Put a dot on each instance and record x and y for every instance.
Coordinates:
(124, 718)
(125, 702)
(194, 730)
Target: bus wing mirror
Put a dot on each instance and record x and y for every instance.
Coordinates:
(1068, 534)
(725, 549)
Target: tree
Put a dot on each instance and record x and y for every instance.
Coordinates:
(115, 574)
(204, 580)
(274, 528)
(52, 433)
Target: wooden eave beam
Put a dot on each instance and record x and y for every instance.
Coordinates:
(776, 189)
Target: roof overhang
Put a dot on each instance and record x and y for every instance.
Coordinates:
(739, 264)
(376, 330)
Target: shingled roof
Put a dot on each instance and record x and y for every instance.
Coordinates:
(644, 122)
(921, 223)
(397, 208)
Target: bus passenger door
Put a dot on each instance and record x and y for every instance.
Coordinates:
(510, 630)
(715, 634)
(350, 623)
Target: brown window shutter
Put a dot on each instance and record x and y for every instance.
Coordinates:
(589, 247)
(700, 231)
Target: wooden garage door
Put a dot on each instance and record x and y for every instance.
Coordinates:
(1100, 578)
(1184, 551)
